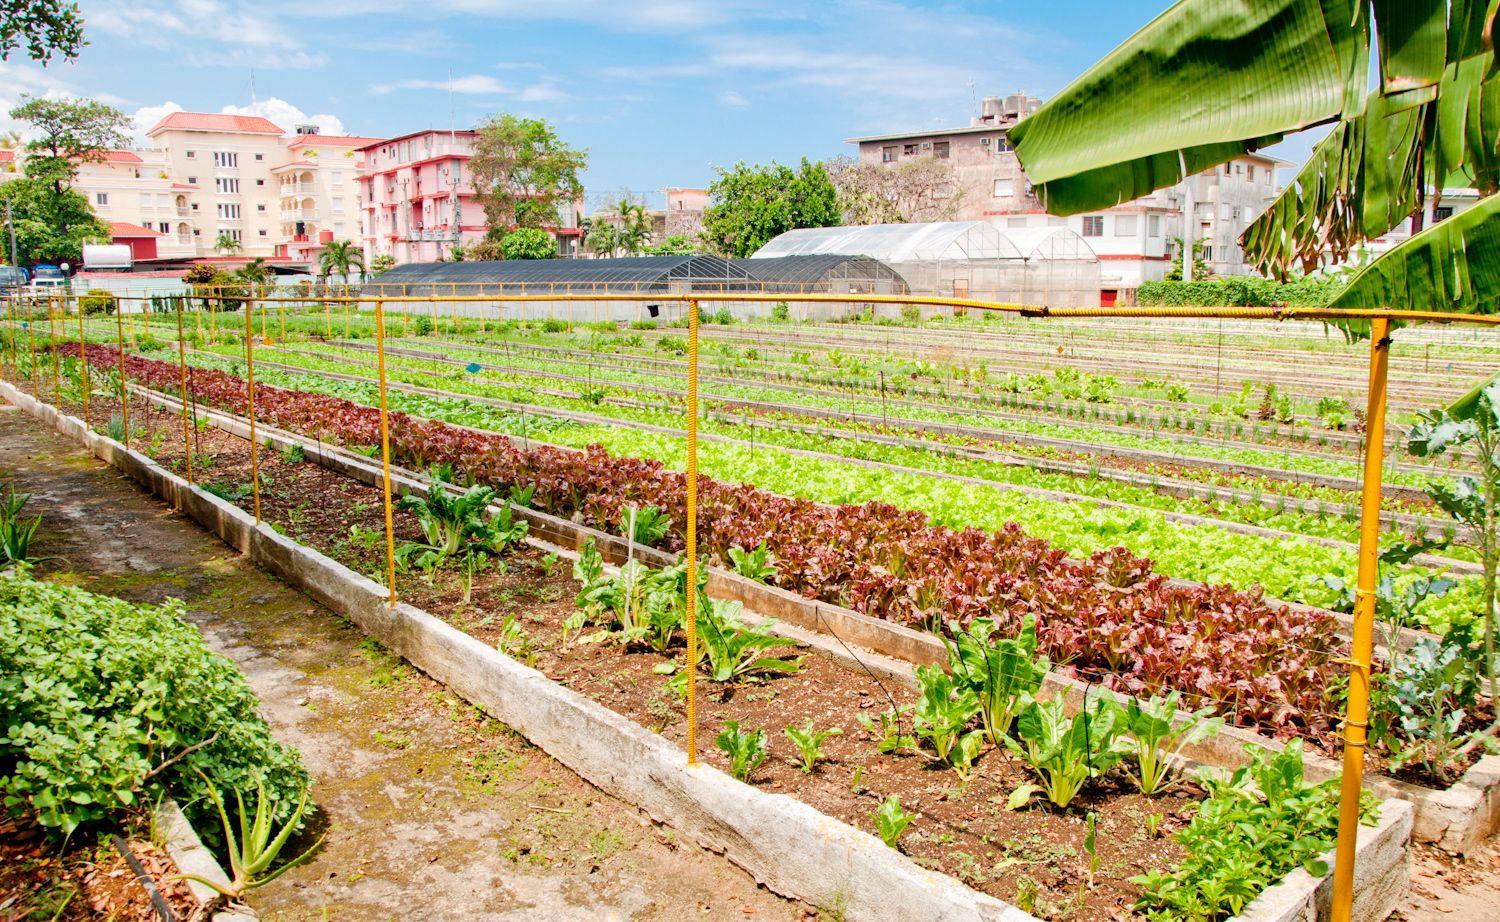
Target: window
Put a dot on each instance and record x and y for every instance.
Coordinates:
(192, 180)
(1208, 253)
(260, 208)
(1239, 169)
(1442, 212)
(1125, 225)
(236, 235)
(262, 233)
(227, 159)
(1093, 225)
(888, 154)
(145, 199)
(1153, 225)
(338, 203)
(192, 154)
(260, 156)
(164, 226)
(1002, 145)
(260, 182)
(229, 211)
(1250, 172)
(1005, 188)
(101, 198)
(223, 185)
(909, 150)
(940, 149)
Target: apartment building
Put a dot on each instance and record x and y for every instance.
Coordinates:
(318, 193)
(222, 167)
(418, 199)
(1134, 240)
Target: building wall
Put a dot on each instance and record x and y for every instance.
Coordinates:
(134, 187)
(233, 190)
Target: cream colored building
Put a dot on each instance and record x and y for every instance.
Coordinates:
(318, 193)
(222, 165)
(134, 187)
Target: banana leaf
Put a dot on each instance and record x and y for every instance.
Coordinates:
(1452, 266)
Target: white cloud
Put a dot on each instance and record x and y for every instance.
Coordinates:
(288, 116)
(542, 92)
(733, 98)
(145, 117)
(17, 80)
(474, 84)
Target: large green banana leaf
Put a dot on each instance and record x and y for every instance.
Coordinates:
(1453, 265)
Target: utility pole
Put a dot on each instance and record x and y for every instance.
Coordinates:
(10, 222)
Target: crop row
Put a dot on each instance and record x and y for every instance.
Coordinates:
(1287, 568)
(1111, 617)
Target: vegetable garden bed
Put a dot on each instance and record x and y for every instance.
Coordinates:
(836, 867)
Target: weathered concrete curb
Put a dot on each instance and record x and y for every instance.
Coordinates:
(786, 845)
(191, 856)
(1383, 873)
(1456, 819)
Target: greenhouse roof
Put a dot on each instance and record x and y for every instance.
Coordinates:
(813, 267)
(906, 243)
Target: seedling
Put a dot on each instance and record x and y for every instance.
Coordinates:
(809, 742)
(891, 821)
(746, 751)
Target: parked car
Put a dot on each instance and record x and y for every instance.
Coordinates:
(11, 278)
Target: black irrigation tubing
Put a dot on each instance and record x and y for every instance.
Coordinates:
(1053, 496)
(158, 902)
(1150, 410)
(1290, 453)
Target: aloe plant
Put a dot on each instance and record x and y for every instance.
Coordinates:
(253, 850)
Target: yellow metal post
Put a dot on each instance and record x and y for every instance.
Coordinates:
(124, 394)
(31, 344)
(83, 367)
(1362, 647)
(385, 455)
(250, 397)
(52, 341)
(187, 430)
(692, 535)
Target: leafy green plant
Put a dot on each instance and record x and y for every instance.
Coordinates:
(1419, 706)
(641, 604)
(941, 717)
(733, 651)
(16, 533)
(1002, 672)
(253, 850)
(746, 751)
(1160, 739)
(646, 525)
(449, 522)
(115, 428)
(293, 454)
(891, 821)
(755, 564)
(809, 742)
(1067, 751)
(1262, 822)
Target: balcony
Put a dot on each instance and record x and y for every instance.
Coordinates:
(298, 188)
(299, 214)
(183, 211)
(185, 239)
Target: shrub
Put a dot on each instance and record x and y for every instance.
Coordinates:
(98, 301)
(1239, 291)
(554, 325)
(781, 312)
(96, 693)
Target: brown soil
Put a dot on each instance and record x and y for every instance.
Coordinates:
(82, 879)
(963, 829)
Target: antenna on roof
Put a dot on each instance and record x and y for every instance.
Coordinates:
(253, 102)
(452, 110)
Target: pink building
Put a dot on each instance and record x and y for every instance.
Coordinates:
(418, 199)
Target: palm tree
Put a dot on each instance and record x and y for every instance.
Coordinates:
(634, 226)
(601, 237)
(226, 245)
(256, 274)
(1209, 80)
(340, 256)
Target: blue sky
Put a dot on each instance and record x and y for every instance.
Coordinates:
(659, 91)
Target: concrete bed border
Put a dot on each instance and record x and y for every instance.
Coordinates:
(832, 864)
(1456, 819)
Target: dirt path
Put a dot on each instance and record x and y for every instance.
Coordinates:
(436, 813)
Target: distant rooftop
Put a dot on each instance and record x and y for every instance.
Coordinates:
(206, 121)
(332, 140)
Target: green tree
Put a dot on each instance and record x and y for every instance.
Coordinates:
(601, 237)
(382, 262)
(750, 205)
(68, 132)
(528, 243)
(341, 256)
(673, 245)
(1201, 271)
(634, 225)
(51, 227)
(42, 27)
(1211, 79)
(226, 245)
(522, 172)
(256, 274)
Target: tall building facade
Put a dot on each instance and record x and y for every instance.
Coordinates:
(318, 193)
(1135, 241)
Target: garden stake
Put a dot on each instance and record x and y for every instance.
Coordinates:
(1361, 650)
(328, 319)
(692, 535)
(385, 455)
(187, 429)
(250, 396)
(52, 341)
(83, 367)
(124, 395)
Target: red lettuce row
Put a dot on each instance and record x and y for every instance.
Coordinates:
(1109, 618)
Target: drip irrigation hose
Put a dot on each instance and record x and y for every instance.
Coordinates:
(158, 902)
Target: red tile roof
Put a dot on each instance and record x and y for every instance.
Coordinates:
(121, 156)
(6, 156)
(332, 140)
(204, 121)
(126, 229)
(183, 185)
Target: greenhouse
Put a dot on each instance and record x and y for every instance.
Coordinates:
(822, 272)
(963, 259)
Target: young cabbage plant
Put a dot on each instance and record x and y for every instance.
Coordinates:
(809, 742)
(1420, 706)
(1002, 672)
(746, 751)
(1067, 751)
(891, 821)
(1160, 739)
